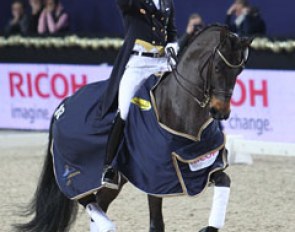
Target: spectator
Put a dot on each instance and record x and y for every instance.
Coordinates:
(19, 22)
(53, 18)
(195, 23)
(247, 21)
(258, 25)
(36, 9)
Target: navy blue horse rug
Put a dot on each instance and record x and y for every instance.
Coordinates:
(160, 162)
(155, 160)
(79, 141)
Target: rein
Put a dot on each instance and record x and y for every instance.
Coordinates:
(202, 103)
(207, 81)
(172, 59)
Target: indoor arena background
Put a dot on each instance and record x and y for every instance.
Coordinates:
(37, 72)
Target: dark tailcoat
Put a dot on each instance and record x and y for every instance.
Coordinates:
(142, 20)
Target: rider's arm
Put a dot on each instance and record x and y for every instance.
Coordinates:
(171, 31)
(171, 28)
(183, 41)
(129, 5)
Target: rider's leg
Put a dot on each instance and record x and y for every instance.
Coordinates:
(156, 215)
(110, 177)
(220, 201)
(137, 71)
(131, 81)
(127, 88)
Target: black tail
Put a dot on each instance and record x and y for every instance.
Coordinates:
(51, 210)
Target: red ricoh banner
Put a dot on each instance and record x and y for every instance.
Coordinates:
(263, 106)
(30, 93)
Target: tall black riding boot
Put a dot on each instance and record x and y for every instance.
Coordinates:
(110, 177)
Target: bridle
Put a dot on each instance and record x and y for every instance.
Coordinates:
(244, 60)
(207, 81)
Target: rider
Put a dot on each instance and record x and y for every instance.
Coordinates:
(150, 30)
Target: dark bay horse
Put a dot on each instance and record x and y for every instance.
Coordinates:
(182, 106)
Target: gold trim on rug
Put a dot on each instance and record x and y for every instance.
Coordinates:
(199, 157)
(179, 175)
(151, 194)
(225, 162)
(53, 161)
(77, 197)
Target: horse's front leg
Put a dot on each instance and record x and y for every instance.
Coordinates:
(220, 201)
(156, 216)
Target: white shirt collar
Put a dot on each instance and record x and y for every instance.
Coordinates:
(157, 3)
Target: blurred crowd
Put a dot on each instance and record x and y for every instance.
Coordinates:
(244, 19)
(48, 17)
(241, 18)
(45, 17)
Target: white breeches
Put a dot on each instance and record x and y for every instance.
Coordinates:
(138, 69)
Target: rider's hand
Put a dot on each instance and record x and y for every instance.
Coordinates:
(174, 46)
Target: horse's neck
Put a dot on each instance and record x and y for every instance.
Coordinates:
(178, 110)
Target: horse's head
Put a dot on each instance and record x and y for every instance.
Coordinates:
(229, 60)
(212, 62)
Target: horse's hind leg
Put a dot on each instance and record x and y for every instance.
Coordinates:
(97, 206)
(156, 216)
(106, 196)
(220, 201)
(89, 203)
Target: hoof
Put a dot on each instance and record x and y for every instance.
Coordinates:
(203, 230)
(154, 230)
(209, 229)
(161, 229)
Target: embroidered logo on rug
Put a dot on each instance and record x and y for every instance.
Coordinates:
(142, 103)
(203, 162)
(69, 173)
(59, 112)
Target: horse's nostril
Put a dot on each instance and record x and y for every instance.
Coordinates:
(219, 115)
(226, 116)
(213, 111)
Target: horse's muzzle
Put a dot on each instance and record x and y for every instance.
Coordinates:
(220, 108)
(219, 115)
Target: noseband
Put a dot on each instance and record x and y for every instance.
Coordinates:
(245, 57)
(207, 81)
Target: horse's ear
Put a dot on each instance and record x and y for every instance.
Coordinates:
(246, 41)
